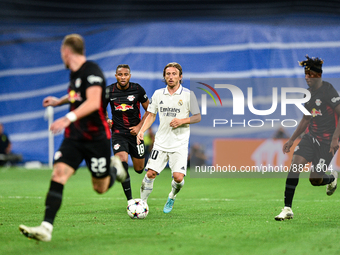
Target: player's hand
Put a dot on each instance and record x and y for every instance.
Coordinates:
(109, 122)
(50, 101)
(140, 137)
(59, 125)
(175, 123)
(334, 146)
(286, 146)
(134, 130)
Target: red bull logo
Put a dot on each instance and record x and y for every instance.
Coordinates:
(316, 112)
(74, 96)
(123, 107)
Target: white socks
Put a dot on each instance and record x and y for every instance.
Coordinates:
(176, 187)
(146, 188)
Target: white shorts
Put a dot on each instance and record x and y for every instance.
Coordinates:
(178, 161)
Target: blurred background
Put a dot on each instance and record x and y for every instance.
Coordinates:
(210, 39)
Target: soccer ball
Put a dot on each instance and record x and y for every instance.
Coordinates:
(137, 209)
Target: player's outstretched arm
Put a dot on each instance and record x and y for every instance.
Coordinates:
(53, 101)
(335, 138)
(146, 125)
(298, 131)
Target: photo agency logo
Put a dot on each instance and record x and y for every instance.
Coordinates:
(204, 97)
(254, 105)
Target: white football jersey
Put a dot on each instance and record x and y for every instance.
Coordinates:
(177, 105)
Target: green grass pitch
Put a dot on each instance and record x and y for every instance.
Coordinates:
(210, 216)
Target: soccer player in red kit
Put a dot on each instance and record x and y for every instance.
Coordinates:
(320, 142)
(87, 134)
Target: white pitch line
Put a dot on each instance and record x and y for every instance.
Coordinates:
(22, 197)
(185, 199)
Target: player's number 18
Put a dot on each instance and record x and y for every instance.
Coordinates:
(140, 148)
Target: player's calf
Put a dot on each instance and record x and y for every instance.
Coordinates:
(146, 187)
(315, 181)
(120, 171)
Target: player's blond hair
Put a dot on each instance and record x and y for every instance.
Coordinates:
(75, 42)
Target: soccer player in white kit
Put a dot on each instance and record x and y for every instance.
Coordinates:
(173, 103)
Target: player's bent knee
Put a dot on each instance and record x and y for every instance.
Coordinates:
(139, 171)
(61, 173)
(315, 181)
(151, 174)
(178, 177)
(100, 190)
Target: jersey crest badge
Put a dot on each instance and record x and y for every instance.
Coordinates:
(77, 83)
(180, 102)
(131, 98)
(318, 102)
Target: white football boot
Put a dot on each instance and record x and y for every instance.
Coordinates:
(333, 185)
(286, 214)
(40, 233)
(121, 173)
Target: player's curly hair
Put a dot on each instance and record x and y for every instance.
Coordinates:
(314, 64)
(123, 66)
